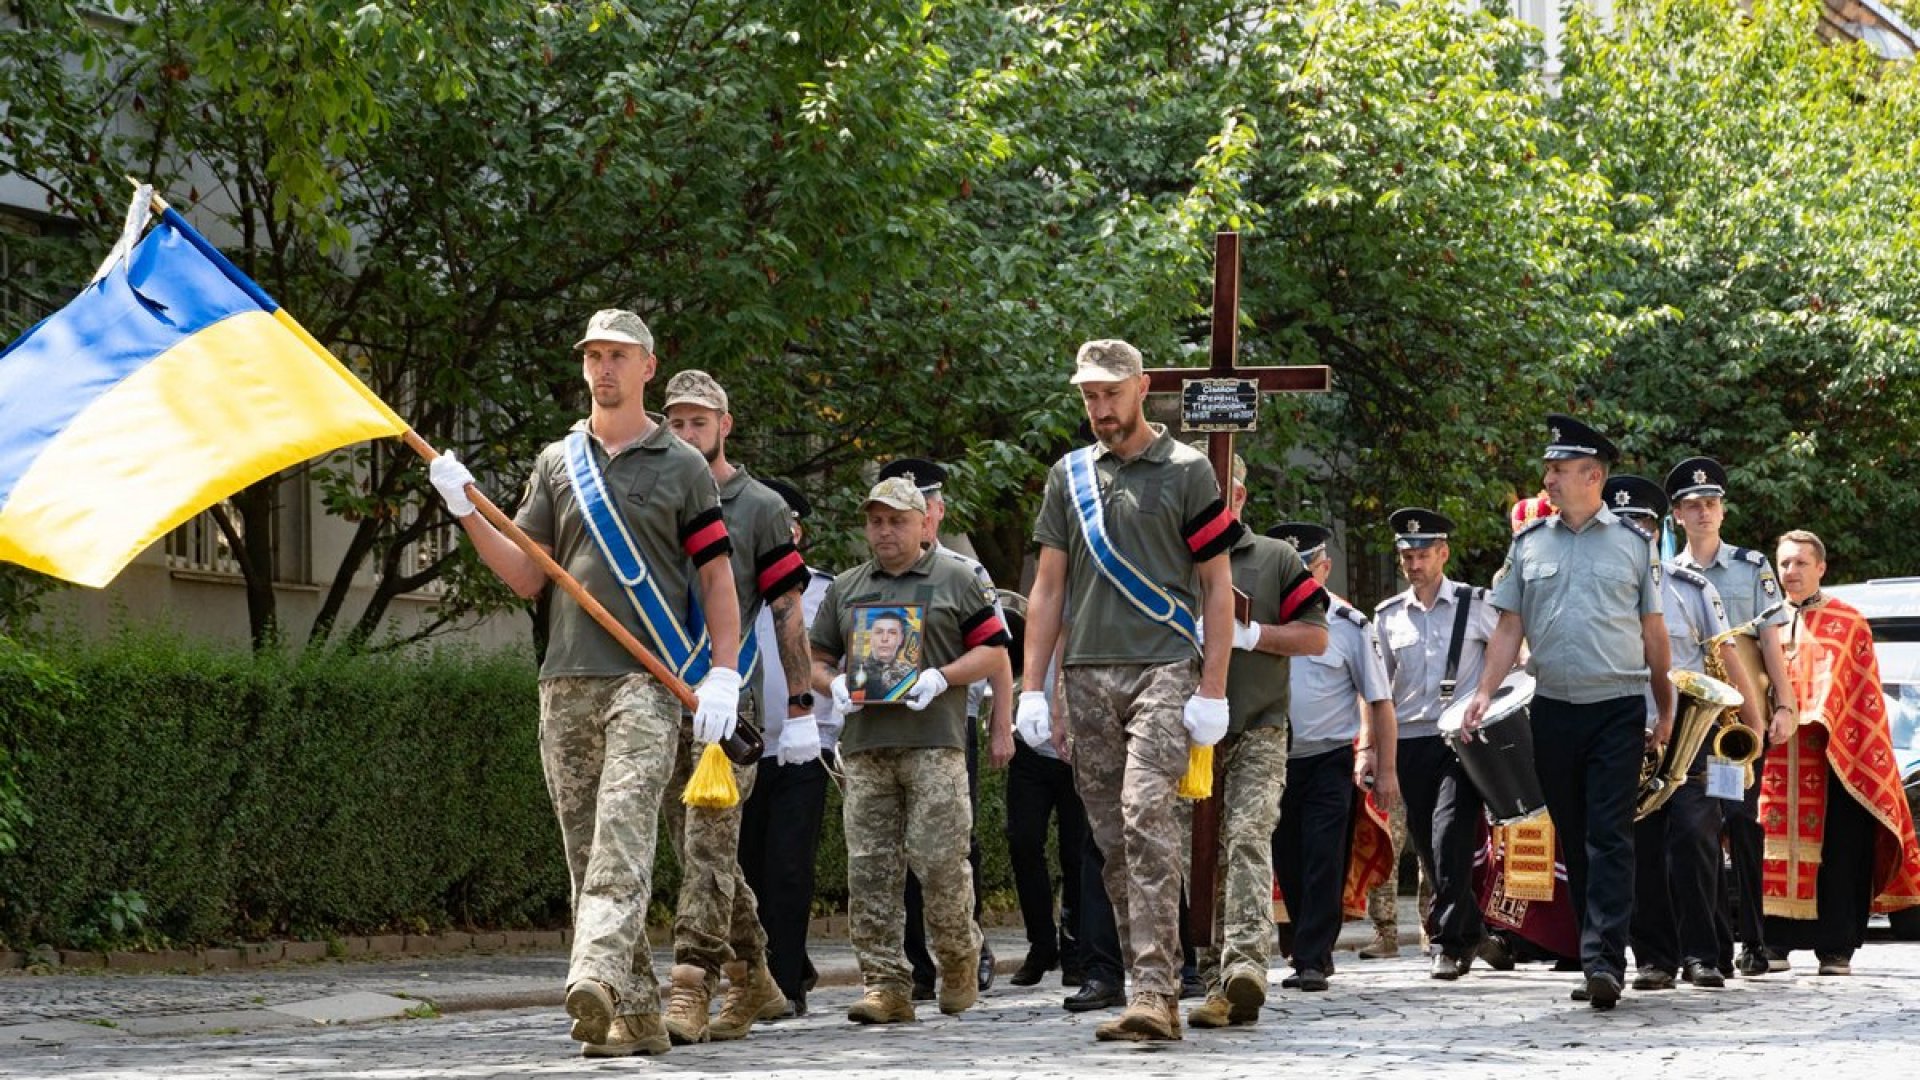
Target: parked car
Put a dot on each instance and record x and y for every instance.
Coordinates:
(1892, 608)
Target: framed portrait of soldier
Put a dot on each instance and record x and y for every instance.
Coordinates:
(884, 657)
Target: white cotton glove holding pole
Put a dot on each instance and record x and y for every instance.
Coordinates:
(799, 740)
(1031, 720)
(719, 695)
(927, 685)
(842, 697)
(450, 479)
(1206, 719)
(1246, 636)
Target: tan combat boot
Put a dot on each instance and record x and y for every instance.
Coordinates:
(590, 1003)
(686, 1017)
(1384, 946)
(882, 1007)
(1246, 991)
(630, 1035)
(1150, 1017)
(751, 995)
(959, 985)
(1215, 1012)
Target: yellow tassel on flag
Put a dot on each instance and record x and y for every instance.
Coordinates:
(1198, 783)
(711, 787)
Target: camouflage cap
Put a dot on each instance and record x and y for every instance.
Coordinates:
(695, 387)
(613, 324)
(1107, 360)
(897, 492)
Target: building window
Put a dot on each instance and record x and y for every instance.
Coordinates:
(201, 546)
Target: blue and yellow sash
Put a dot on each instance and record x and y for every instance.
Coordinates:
(685, 647)
(1146, 596)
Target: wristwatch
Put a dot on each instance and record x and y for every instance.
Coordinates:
(801, 701)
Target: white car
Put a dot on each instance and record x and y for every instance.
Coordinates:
(1892, 608)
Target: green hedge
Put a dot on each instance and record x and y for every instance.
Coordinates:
(243, 796)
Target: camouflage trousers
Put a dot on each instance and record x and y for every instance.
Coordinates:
(1383, 900)
(1255, 770)
(907, 808)
(1129, 752)
(606, 748)
(716, 917)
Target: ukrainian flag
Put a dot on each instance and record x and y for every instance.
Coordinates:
(170, 383)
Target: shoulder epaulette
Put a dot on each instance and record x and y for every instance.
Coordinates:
(1351, 614)
(1689, 575)
(1750, 555)
(1396, 598)
(1536, 523)
(1643, 531)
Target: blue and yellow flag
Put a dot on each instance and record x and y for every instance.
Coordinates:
(168, 384)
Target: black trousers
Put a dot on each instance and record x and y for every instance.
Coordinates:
(1588, 761)
(1040, 789)
(779, 833)
(1100, 934)
(916, 939)
(1843, 891)
(1310, 848)
(1444, 813)
(1677, 880)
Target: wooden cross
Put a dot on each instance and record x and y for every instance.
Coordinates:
(1229, 397)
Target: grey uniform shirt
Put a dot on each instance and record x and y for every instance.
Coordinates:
(1580, 595)
(1693, 614)
(1745, 580)
(773, 676)
(1327, 689)
(1415, 641)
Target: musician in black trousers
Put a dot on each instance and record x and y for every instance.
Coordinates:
(1583, 589)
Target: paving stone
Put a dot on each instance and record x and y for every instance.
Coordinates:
(354, 1008)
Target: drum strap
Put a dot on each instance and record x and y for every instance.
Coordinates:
(1462, 607)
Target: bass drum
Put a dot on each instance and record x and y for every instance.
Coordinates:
(1013, 608)
(1499, 759)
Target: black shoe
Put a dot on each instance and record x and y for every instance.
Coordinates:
(1034, 968)
(1095, 993)
(1603, 990)
(1579, 993)
(1072, 973)
(1566, 963)
(1752, 963)
(1192, 986)
(1450, 967)
(922, 991)
(1652, 979)
(1777, 960)
(986, 969)
(1701, 974)
(1833, 964)
(1495, 951)
(1310, 981)
(809, 977)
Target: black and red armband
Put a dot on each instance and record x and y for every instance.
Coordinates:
(1302, 595)
(779, 571)
(985, 628)
(1212, 531)
(705, 538)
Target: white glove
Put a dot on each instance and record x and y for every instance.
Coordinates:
(1246, 636)
(843, 697)
(719, 695)
(1031, 721)
(1206, 719)
(929, 684)
(799, 740)
(450, 479)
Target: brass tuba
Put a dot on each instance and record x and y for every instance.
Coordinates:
(1734, 740)
(1704, 699)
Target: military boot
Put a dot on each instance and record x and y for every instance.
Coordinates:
(686, 1017)
(1385, 944)
(881, 1007)
(751, 995)
(630, 1035)
(590, 1003)
(1150, 1017)
(1246, 991)
(1215, 1012)
(959, 986)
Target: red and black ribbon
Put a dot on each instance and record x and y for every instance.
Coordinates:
(705, 538)
(1212, 531)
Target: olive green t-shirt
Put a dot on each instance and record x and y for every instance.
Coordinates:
(1163, 512)
(1281, 591)
(946, 615)
(668, 500)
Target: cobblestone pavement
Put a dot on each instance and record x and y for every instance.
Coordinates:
(1380, 1016)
